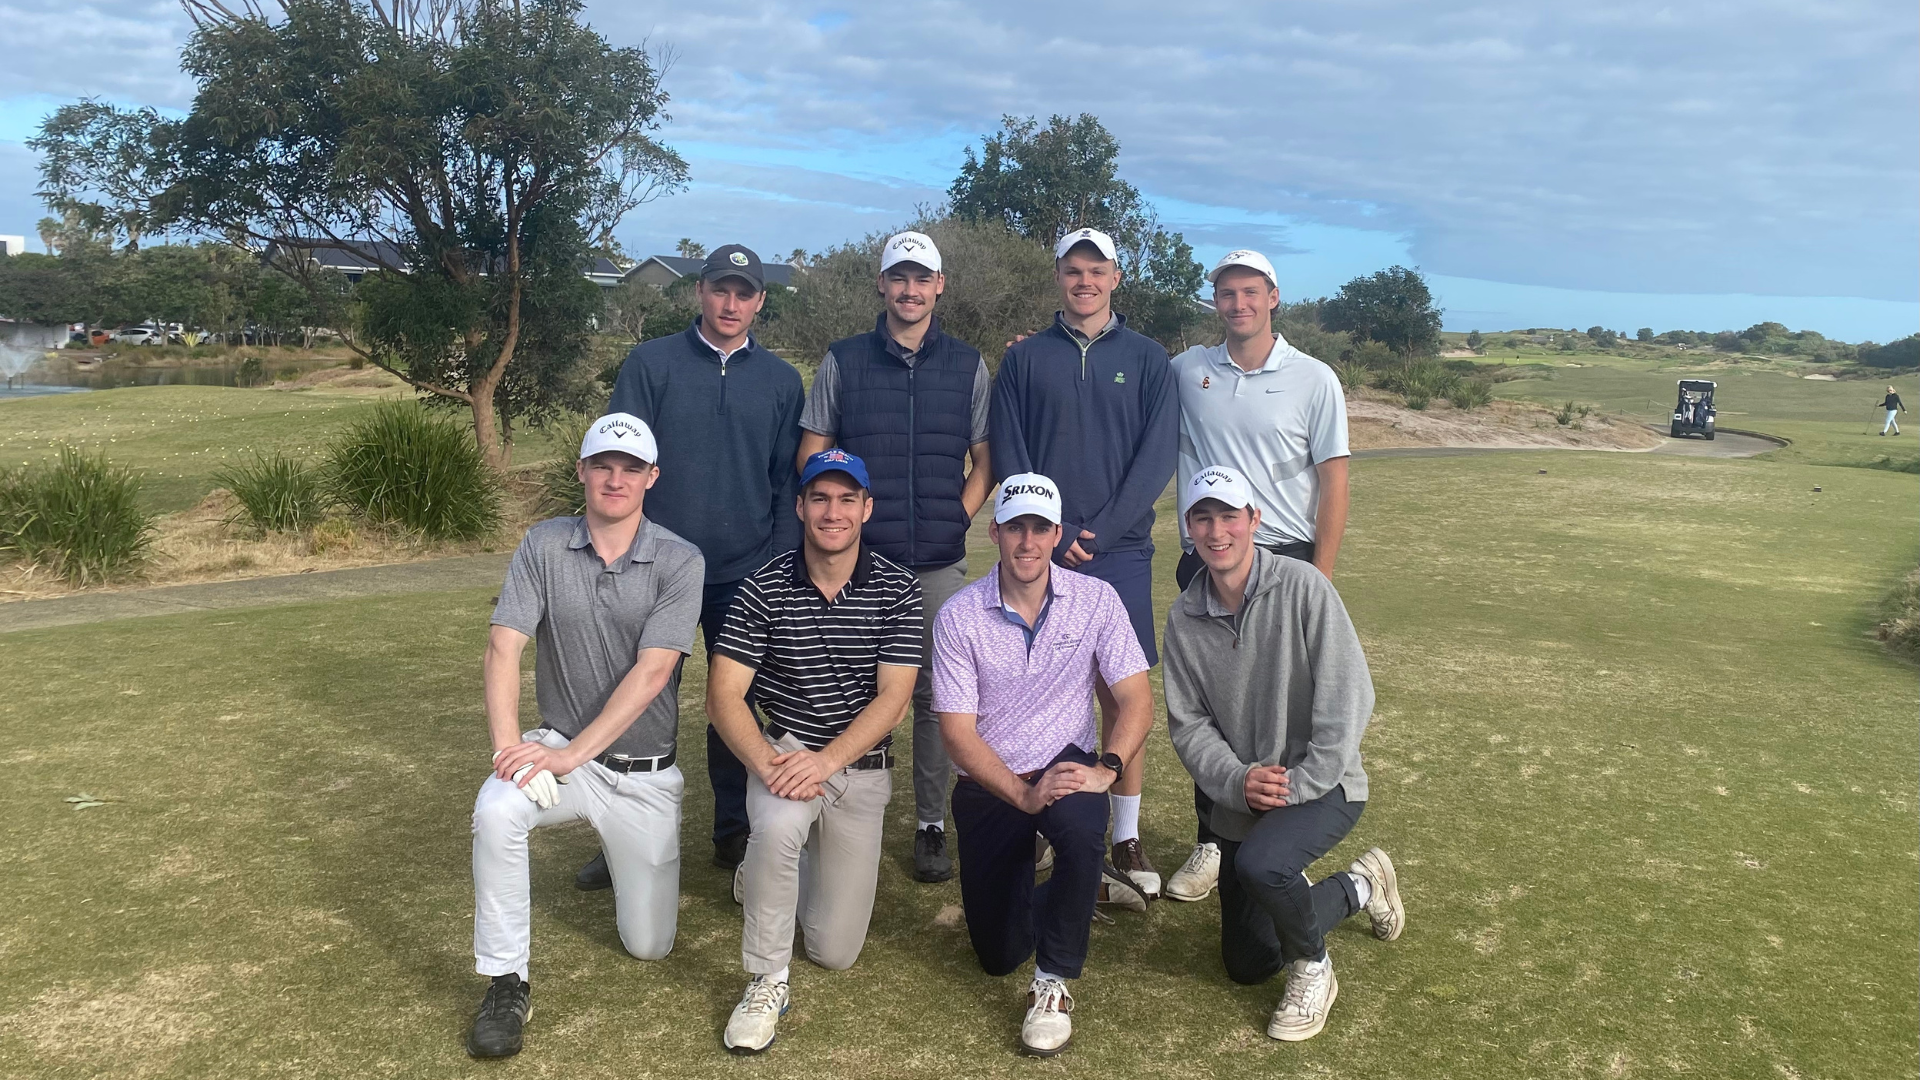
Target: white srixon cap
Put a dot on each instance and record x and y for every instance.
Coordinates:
(1252, 260)
(910, 247)
(620, 431)
(1086, 236)
(1027, 493)
(1217, 482)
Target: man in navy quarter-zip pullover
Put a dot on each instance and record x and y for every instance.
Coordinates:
(1093, 405)
(726, 412)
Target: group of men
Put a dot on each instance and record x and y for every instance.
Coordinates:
(817, 538)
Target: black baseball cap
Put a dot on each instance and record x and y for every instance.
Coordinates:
(735, 260)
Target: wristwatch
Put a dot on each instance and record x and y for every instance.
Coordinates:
(1112, 761)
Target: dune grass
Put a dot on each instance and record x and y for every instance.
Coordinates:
(1649, 779)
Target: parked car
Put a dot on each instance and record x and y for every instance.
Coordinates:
(140, 335)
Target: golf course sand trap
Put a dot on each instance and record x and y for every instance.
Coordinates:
(1376, 424)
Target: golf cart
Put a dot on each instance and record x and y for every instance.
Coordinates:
(1693, 413)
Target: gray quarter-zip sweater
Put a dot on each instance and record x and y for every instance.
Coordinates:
(1282, 683)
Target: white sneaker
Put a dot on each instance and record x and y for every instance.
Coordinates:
(1119, 890)
(1388, 914)
(1303, 1008)
(1042, 855)
(740, 884)
(750, 1028)
(1198, 876)
(1047, 1029)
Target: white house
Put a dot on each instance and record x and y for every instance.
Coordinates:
(13, 245)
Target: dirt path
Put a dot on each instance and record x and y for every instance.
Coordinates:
(1727, 444)
(468, 571)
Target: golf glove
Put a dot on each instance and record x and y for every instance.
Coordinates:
(542, 790)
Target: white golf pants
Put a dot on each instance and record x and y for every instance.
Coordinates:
(638, 818)
(1893, 422)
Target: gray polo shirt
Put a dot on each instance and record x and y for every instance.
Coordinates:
(589, 621)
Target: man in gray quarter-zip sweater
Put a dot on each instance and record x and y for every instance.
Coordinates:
(1267, 696)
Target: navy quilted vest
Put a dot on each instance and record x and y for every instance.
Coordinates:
(912, 426)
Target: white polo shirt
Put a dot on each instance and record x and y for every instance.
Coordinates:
(1274, 424)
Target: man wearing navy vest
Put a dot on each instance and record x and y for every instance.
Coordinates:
(912, 403)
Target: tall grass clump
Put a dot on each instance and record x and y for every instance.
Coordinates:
(1420, 381)
(404, 466)
(1471, 394)
(1352, 373)
(560, 487)
(276, 493)
(1900, 617)
(79, 516)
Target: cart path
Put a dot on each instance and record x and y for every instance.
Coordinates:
(485, 571)
(432, 575)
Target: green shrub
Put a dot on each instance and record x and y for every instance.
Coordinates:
(1471, 393)
(1420, 381)
(1565, 415)
(562, 492)
(1352, 373)
(276, 493)
(401, 465)
(79, 515)
(251, 371)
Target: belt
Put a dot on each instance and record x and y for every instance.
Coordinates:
(880, 757)
(637, 764)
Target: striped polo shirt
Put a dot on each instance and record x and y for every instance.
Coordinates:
(817, 659)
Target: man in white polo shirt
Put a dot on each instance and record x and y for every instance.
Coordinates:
(1260, 406)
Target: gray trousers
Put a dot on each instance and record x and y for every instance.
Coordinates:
(932, 773)
(638, 818)
(831, 893)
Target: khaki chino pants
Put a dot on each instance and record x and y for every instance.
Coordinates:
(839, 832)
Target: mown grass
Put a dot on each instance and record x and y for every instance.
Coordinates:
(1649, 779)
(180, 437)
(1830, 423)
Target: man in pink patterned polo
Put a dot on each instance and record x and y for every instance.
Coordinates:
(1015, 655)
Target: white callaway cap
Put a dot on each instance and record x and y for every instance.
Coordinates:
(910, 247)
(1252, 260)
(1027, 493)
(1085, 236)
(620, 431)
(1217, 482)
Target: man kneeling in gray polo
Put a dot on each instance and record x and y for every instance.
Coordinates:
(828, 637)
(1267, 696)
(613, 600)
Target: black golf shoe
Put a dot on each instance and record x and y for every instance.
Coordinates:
(930, 859)
(594, 876)
(498, 1029)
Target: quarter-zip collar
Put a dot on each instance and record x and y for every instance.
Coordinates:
(1202, 603)
(1114, 322)
(716, 351)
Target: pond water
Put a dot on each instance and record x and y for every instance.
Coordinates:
(66, 376)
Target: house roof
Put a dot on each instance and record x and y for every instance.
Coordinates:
(362, 256)
(680, 266)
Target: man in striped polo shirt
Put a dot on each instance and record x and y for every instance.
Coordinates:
(828, 637)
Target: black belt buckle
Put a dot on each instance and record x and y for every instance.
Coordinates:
(874, 759)
(634, 765)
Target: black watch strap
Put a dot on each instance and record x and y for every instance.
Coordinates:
(1112, 761)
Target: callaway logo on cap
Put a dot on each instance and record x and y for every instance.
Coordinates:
(1217, 482)
(1250, 259)
(1027, 493)
(910, 247)
(623, 432)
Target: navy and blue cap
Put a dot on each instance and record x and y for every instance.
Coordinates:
(835, 460)
(735, 261)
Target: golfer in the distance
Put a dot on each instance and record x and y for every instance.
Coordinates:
(1894, 408)
(612, 599)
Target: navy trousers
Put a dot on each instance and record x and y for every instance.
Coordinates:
(1269, 915)
(724, 771)
(1009, 918)
(1190, 566)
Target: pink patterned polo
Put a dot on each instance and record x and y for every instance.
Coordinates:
(1032, 701)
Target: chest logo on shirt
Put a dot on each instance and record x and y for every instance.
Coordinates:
(1119, 376)
(1206, 381)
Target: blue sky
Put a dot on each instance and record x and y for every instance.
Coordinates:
(1702, 165)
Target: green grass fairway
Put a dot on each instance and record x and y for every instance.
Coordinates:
(1650, 784)
(1830, 423)
(177, 437)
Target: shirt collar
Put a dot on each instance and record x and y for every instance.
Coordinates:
(1219, 610)
(641, 550)
(1114, 319)
(899, 351)
(716, 350)
(1276, 356)
(862, 566)
(994, 602)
